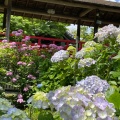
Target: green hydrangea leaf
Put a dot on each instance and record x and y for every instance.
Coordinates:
(45, 116)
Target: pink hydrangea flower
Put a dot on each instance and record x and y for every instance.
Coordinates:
(9, 73)
(14, 79)
(25, 89)
(14, 32)
(19, 63)
(20, 30)
(20, 96)
(18, 34)
(24, 45)
(20, 100)
(4, 41)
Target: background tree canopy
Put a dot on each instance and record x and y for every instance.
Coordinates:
(44, 28)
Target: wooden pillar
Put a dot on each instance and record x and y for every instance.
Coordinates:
(78, 34)
(9, 6)
(96, 24)
(4, 18)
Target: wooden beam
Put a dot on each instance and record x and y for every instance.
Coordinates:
(81, 5)
(85, 12)
(9, 6)
(103, 21)
(42, 13)
(59, 15)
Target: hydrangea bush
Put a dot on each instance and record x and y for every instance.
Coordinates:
(23, 64)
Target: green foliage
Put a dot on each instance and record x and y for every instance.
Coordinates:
(45, 116)
(113, 96)
(36, 27)
(86, 33)
(60, 74)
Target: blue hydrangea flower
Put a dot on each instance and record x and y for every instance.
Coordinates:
(5, 118)
(11, 110)
(39, 85)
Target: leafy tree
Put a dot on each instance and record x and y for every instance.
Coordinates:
(36, 26)
(86, 33)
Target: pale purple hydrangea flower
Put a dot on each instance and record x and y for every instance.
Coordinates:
(60, 56)
(44, 46)
(109, 31)
(53, 46)
(60, 48)
(94, 84)
(76, 103)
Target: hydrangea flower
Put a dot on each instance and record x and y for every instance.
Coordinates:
(4, 41)
(14, 113)
(94, 84)
(59, 56)
(39, 100)
(20, 98)
(90, 44)
(105, 32)
(39, 85)
(4, 104)
(9, 73)
(85, 51)
(86, 62)
(53, 46)
(76, 103)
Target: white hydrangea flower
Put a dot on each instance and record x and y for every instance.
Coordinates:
(86, 62)
(90, 44)
(86, 51)
(109, 31)
(59, 56)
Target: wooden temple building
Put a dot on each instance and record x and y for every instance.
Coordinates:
(96, 13)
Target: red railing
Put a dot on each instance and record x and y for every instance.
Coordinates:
(44, 40)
